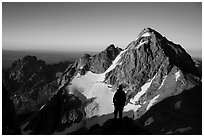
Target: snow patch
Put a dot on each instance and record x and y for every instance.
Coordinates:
(132, 105)
(147, 34)
(177, 75)
(92, 86)
(141, 43)
(162, 82)
(103, 96)
(83, 83)
(151, 102)
(42, 107)
(143, 90)
(115, 62)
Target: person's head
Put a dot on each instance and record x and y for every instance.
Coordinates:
(120, 86)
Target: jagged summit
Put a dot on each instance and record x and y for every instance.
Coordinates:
(152, 42)
(111, 46)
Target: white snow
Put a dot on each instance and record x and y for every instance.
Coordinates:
(115, 62)
(141, 43)
(151, 102)
(162, 81)
(143, 90)
(132, 105)
(103, 96)
(83, 83)
(42, 107)
(177, 75)
(147, 34)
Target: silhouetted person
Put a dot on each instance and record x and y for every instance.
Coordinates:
(119, 100)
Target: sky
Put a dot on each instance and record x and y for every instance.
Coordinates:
(94, 26)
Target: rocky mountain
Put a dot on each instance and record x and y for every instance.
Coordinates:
(31, 82)
(97, 63)
(160, 80)
(102, 61)
(151, 69)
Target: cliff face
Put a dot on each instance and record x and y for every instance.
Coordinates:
(102, 61)
(32, 82)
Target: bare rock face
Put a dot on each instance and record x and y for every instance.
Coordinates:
(20, 71)
(32, 82)
(149, 54)
(103, 60)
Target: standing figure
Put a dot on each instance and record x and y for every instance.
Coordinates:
(119, 101)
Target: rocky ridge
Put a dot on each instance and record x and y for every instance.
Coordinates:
(31, 82)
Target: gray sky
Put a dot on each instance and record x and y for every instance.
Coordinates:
(94, 26)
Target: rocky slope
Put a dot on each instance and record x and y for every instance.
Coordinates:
(180, 114)
(102, 61)
(32, 82)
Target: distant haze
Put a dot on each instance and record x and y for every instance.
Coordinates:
(50, 57)
(94, 26)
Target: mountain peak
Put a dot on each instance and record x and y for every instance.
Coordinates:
(146, 32)
(152, 43)
(110, 46)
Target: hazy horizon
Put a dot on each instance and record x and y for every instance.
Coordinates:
(94, 26)
(50, 57)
